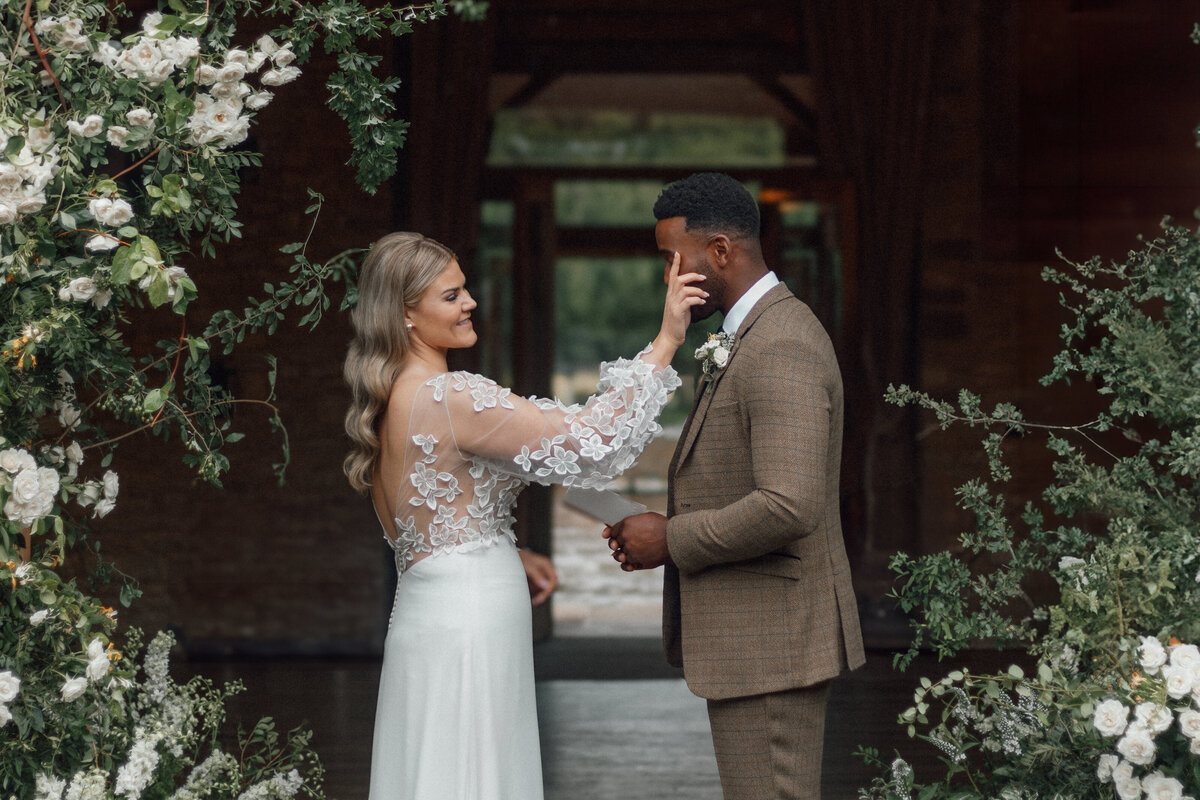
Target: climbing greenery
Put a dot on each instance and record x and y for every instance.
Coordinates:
(122, 146)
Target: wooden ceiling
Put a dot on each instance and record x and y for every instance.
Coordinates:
(702, 56)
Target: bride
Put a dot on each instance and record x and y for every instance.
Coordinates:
(444, 455)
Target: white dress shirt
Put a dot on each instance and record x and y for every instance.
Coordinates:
(733, 320)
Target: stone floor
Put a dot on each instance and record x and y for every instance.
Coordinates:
(616, 722)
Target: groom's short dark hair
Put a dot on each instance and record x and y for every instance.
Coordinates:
(711, 202)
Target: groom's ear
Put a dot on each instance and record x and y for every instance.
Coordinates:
(718, 249)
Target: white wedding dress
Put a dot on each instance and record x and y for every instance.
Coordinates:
(456, 717)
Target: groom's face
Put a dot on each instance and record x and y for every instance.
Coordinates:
(673, 237)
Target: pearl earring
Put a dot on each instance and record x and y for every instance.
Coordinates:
(409, 326)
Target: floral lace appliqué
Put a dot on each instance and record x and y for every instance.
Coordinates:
(591, 444)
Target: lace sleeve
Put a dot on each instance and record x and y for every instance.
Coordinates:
(547, 442)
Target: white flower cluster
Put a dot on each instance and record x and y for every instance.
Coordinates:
(714, 354)
(95, 671)
(218, 118)
(139, 117)
(31, 489)
(67, 32)
(25, 175)
(88, 784)
(137, 772)
(10, 687)
(277, 787)
(205, 774)
(101, 495)
(1179, 671)
(153, 57)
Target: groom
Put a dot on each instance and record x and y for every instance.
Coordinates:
(758, 607)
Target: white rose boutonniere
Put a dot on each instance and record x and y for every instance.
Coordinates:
(714, 354)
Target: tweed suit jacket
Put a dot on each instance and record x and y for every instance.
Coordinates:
(757, 597)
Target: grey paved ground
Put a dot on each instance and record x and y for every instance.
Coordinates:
(629, 737)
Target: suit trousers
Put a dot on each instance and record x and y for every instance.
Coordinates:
(769, 746)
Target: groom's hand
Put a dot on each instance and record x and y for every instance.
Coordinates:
(639, 542)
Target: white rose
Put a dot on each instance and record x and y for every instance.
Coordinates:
(140, 117)
(97, 668)
(258, 100)
(1153, 655)
(721, 356)
(1137, 746)
(283, 56)
(184, 48)
(15, 459)
(74, 453)
(89, 494)
(1160, 787)
(151, 22)
(206, 74)
(68, 415)
(266, 44)
(39, 138)
(1105, 769)
(1128, 788)
(25, 486)
(82, 288)
(5, 715)
(1189, 723)
(1185, 655)
(231, 91)
(1153, 717)
(31, 202)
(231, 72)
(103, 507)
(101, 243)
(103, 296)
(92, 125)
(95, 649)
(111, 211)
(141, 60)
(117, 134)
(1178, 680)
(38, 617)
(1110, 718)
(10, 686)
(73, 689)
(1122, 771)
(256, 60)
(8, 213)
(107, 54)
(280, 76)
(112, 484)
(1194, 746)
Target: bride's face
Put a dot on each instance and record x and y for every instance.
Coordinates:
(441, 319)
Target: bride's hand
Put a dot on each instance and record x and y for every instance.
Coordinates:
(683, 293)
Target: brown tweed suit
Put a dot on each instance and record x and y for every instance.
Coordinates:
(758, 599)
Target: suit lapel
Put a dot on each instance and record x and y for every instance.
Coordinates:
(706, 391)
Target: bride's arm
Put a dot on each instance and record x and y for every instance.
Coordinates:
(548, 442)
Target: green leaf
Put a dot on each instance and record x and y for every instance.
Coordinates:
(154, 400)
(157, 293)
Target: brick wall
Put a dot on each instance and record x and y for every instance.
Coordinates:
(1061, 124)
(302, 567)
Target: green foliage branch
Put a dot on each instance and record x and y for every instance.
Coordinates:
(1112, 705)
(122, 146)
(1119, 524)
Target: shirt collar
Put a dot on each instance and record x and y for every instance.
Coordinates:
(733, 320)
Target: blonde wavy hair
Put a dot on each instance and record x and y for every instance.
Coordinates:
(394, 275)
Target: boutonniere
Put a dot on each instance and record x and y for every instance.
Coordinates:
(714, 354)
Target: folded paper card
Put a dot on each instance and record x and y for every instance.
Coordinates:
(602, 504)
